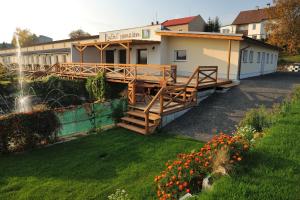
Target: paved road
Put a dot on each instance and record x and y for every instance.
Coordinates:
(223, 111)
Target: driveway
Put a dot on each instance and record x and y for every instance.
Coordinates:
(223, 111)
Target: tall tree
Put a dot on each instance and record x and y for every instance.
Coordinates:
(213, 25)
(78, 34)
(217, 24)
(25, 37)
(284, 28)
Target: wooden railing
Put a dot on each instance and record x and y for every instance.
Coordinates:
(122, 72)
(170, 97)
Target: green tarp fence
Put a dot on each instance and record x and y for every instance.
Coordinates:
(88, 116)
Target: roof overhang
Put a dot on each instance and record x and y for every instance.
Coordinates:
(261, 43)
(117, 42)
(205, 35)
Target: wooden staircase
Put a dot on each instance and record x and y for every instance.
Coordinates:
(171, 98)
(136, 120)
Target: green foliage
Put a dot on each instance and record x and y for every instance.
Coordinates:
(22, 131)
(213, 25)
(58, 91)
(25, 37)
(97, 87)
(258, 118)
(118, 110)
(119, 195)
(246, 132)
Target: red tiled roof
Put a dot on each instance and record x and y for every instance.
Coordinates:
(251, 16)
(179, 21)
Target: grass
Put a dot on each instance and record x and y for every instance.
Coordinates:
(289, 59)
(91, 167)
(272, 168)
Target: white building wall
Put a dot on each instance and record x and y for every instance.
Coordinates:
(258, 66)
(203, 52)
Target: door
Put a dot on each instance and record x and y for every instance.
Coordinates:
(142, 56)
(262, 63)
(122, 56)
(109, 56)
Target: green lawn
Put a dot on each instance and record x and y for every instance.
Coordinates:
(91, 167)
(271, 170)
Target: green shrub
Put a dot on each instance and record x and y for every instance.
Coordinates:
(22, 131)
(258, 118)
(97, 87)
(59, 92)
(246, 132)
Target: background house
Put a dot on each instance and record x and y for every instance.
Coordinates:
(193, 23)
(251, 23)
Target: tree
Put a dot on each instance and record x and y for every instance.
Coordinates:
(217, 24)
(25, 37)
(78, 34)
(284, 28)
(213, 25)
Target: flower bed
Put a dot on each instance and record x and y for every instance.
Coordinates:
(186, 173)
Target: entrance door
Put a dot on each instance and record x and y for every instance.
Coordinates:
(122, 56)
(262, 64)
(109, 56)
(142, 56)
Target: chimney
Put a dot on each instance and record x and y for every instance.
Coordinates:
(157, 22)
(257, 7)
(268, 5)
(152, 23)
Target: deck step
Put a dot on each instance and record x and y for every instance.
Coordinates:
(229, 85)
(141, 114)
(132, 128)
(136, 121)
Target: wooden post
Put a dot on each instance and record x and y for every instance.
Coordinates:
(128, 53)
(147, 122)
(229, 59)
(161, 100)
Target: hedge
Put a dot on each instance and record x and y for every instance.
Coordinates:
(23, 131)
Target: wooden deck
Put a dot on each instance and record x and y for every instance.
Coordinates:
(160, 88)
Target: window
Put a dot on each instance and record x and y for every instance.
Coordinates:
(272, 57)
(275, 59)
(180, 55)
(254, 27)
(268, 57)
(258, 57)
(142, 56)
(251, 57)
(245, 56)
(64, 58)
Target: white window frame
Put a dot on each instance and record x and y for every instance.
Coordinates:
(251, 53)
(175, 55)
(272, 57)
(258, 57)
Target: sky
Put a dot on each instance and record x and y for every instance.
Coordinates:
(57, 18)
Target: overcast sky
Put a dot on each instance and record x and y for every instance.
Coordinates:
(57, 18)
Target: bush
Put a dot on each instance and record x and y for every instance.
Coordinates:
(259, 119)
(97, 87)
(246, 132)
(22, 131)
(59, 92)
(186, 173)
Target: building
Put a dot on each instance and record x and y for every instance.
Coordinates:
(251, 23)
(193, 23)
(43, 39)
(236, 55)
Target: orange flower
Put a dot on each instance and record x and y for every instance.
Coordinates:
(185, 184)
(191, 172)
(180, 187)
(239, 158)
(188, 190)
